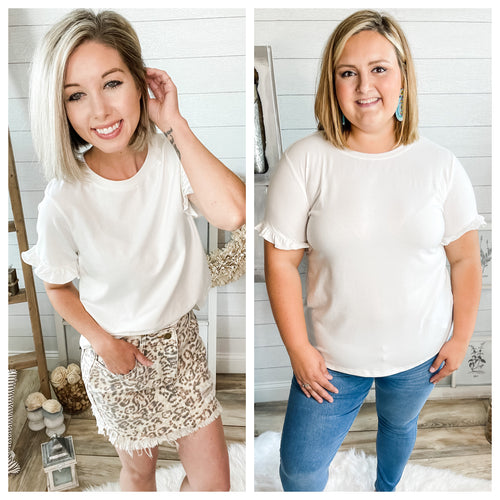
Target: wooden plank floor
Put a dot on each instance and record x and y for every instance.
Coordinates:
(97, 461)
(451, 434)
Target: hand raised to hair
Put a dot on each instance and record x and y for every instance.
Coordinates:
(311, 373)
(164, 107)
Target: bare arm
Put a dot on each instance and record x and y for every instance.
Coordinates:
(218, 193)
(465, 269)
(285, 294)
(118, 355)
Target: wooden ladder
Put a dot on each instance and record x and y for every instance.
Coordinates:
(28, 294)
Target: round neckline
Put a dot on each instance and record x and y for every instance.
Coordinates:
(378, 156)
(124, 183)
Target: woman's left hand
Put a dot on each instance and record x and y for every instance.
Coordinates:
(452, 354)
(164, 107)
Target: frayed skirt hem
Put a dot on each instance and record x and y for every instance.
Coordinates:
(145, 445)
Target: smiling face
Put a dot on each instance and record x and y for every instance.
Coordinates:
(101, 98)
(368, 83)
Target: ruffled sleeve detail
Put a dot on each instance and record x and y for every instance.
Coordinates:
(55, 257)
(284, 223)
(187, 206)
(278, 239)
(176, 170)
(460, 208)
(477, 223)
(51, 274)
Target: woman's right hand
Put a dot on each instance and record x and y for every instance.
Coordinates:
(120, 356)
(311, 373)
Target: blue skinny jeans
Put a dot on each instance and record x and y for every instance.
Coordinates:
(313, 432)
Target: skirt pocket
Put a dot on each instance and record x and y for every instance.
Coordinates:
(101, 380)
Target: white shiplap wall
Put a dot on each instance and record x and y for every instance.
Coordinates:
(203, 50)
(452, 53)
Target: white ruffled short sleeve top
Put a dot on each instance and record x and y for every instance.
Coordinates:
(375, 226)
(133, 244)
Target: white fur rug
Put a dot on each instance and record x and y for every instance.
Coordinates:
(350, 471)
(354, 471)
(170, 478)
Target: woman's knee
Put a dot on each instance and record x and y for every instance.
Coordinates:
(401, 427)
(205, 458)
(202, 482)
(220, 484)
(138, 466)
(303, 478)
(215, 483)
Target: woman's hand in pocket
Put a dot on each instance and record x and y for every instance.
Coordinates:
(120, 356)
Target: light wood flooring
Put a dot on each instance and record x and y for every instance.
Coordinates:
(97, 461)
(451, 434)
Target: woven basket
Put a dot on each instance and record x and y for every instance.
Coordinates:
(73, 397)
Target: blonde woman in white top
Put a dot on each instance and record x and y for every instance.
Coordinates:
(379, 212)
(118, 215)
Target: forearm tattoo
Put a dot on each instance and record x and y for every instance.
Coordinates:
(170, 137)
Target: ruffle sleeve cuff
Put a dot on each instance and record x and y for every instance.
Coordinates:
(187, 206)
(278, 239)
(476, 223)
(58, 275)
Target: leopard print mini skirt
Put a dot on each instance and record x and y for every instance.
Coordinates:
(162, 403)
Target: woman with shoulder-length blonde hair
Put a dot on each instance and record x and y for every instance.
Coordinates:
(118, 215)
(379, 211)
(326, 107)
(61, 156)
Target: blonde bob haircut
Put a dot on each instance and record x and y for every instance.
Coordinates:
(58, 146)
(326, 107)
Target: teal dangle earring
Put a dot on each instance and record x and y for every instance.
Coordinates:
(399, 109)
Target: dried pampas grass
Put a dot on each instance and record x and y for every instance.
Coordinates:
(228, 264)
